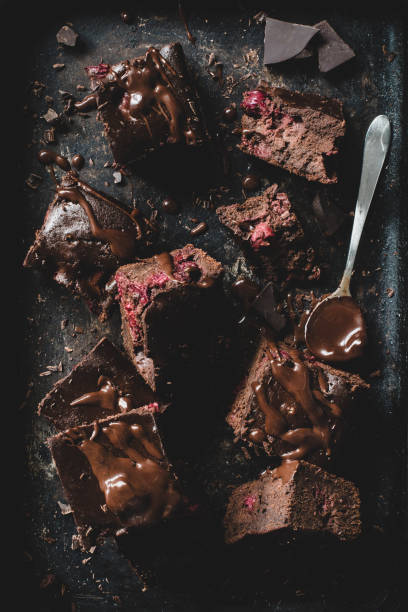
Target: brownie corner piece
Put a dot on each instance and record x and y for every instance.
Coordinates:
(268, 226)
(84, 238)
(299, 132)
(296, 498)
(115, 475)
(147, 102)
(102, 384)
(168, 305)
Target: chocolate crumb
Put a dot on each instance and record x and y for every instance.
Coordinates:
(67, 36)
(51, 116)
(199, 229)
(390, 292)
(33, 181)
(58, 66)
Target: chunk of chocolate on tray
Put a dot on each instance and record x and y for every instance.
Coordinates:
(102, 384)
(331, 49)
(291, 405)
(300, 132)
(284, 40)
(294, 499)
(85, 237)
(168, 306)
(145, 103)
(268, 226)
(115, 475)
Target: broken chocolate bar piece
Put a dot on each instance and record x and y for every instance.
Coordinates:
(294, 499)
(284, 40)
(85, 237)
(293, 406)
(146, 103)
(168, 305)
(298, 132)
(332, 50)
(102, 384)
(268, 226)
(115, 474)
(259, 303)
(329, 217)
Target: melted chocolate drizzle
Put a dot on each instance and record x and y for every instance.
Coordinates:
(121, 242)
(107, 398)
(138, 489)
(293, 376)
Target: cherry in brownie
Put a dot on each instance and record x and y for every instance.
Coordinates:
(298, 132)
(115, 475)
(291, 405)
(85, 237)
(168, 305)
(268, 226)
(102, 384)
(145, 103)
(295, 498)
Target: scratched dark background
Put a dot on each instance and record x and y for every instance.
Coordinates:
(188, 566)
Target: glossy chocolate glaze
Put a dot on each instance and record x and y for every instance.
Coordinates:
(335, 331)
(77, 161)
(107, 398)
(294, 377)
(137, 486)
(48, 157)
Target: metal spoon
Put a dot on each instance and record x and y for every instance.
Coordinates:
(335, 330)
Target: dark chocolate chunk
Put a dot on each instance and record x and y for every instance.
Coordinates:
(104, 366)
(332, 50)
(265, 306)
(294, 499)
(284, 40)
(329, 216)
(67, 36)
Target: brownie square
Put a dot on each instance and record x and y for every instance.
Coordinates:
(295, 498)
(270, 229)
(102, 384)
(168, 305)
(287, 391)
(298, 132)
(146, 103)
(85, 237)
(115, 475)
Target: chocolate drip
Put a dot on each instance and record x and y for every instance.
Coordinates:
(48, 157)
(138, 489)
(121, 243)
(90, 102)
(77, 161)
(106, 398)
(293, 376)
(183, 18)
(164, 260)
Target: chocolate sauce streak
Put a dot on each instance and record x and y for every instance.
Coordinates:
(183, 18)
(293, 376)
(121, 243)
(106, 397)
(137, 488)
(336, 330)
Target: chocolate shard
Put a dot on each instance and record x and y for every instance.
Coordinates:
(332, 50)
(67, 36)
(265, 306)
(284, 40)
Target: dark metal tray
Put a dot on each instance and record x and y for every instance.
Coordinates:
(195, 571)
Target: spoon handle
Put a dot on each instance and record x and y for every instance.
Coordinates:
(376, 145)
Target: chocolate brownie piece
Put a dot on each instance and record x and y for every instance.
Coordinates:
(115, 474)
(102, 384)
(298, 132)
(146, 103)
(292, 405)
(267, 224)
(85, 237)
(297, 497)
(168, 306)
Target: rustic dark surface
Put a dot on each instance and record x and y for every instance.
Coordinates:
(192, 568)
